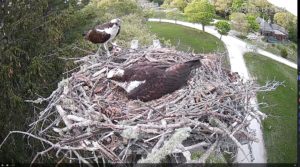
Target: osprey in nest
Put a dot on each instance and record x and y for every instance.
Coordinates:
(102, 34)
(149, 81)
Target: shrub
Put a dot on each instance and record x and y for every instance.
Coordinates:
(279, 47)
(223, 27)
(242, 36)
(284, 53)
(293, 46)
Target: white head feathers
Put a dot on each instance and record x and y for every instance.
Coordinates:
(117, 21)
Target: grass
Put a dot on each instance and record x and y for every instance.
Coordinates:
(276, 48)
(280, 128)
(185, 38)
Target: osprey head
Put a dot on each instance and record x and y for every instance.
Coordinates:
(115, 73)
(116, 21)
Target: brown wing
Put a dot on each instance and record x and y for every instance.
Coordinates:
(161, 79)
(152, 73)
(177, 75)
(178, 72)
(144, 71)
(152, 89)
(98, 37)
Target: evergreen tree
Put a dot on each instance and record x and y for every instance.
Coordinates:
(31, 32)
(33, 37)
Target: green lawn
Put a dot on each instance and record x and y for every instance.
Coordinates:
(291, 49)
(276, 48)
(184, 38)
(280, 128)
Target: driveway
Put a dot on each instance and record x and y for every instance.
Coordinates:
(236, 48)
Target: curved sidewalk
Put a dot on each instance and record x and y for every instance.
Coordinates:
(229, 40)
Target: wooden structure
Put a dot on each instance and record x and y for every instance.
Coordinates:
(273, 32)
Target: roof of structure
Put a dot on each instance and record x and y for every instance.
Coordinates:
(265, 26)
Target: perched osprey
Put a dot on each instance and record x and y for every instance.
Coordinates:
(102, 34)
(149, 81)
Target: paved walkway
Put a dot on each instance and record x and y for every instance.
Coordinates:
(231, 42)
(236, 48)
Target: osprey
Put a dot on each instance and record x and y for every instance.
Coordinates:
(102, 34)
(149, 81)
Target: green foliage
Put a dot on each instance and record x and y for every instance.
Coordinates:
(237, 5)
(160, 14)
(117, 8)
(253, 25)
(166, 4)
(30, 34)
(149, 13)
(223, 27)
(133, 27)
(180, 4)
(200, 11)
(222, 7)
(239, 22)
(293, 31)
(174, 14)
(289, 22)
(283, 19)
(262, 7)
(284, 53)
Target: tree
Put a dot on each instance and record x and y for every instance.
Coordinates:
(173, 14)
(237, 5)
(223, 27)
(200, 11)
(289, 22)
(239, 22)
(222, 7)
(293, 31)
(253, 25)
(283, 19)
(33, 35)
(166, 3)
(263, 7)
(180, 4)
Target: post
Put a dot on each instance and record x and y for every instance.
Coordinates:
(156, 43)
(134, 44)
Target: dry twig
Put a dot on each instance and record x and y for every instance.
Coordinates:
(92, 114)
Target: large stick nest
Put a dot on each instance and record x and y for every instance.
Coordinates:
(89, 118)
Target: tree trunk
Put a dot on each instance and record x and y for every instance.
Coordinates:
(203, 27)
(221, 37)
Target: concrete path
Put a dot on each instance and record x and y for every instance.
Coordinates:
(256, 152)
(230, 40)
